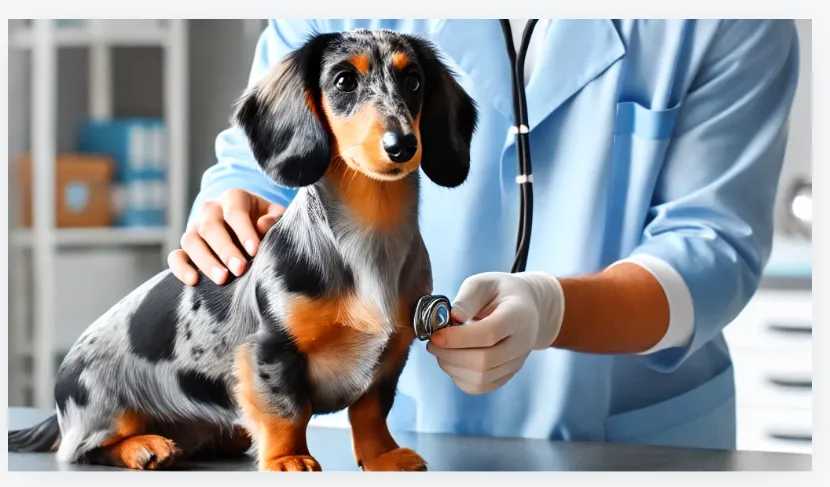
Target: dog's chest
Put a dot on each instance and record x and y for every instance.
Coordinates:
(339, 373)
(343, 340)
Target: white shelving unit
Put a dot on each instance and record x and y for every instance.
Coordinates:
(44, 38)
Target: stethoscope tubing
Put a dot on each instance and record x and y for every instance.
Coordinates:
(525, 173)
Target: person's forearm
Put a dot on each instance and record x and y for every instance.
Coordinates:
(622, 309)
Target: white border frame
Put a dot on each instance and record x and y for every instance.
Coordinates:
(439, 8)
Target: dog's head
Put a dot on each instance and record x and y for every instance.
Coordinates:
(381, 101)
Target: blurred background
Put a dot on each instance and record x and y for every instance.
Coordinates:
(112, 123)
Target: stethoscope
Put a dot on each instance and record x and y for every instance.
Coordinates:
(433, 312)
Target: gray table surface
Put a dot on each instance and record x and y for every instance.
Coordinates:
(332, 448)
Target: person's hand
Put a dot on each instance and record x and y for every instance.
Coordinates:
(209, 241)
(513, 314)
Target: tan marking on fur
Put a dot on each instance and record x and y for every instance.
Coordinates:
(331, 331)
(400, 60)
(397, 460)
(146, 452)
(318, 323)
(360, 62)
(381, 205)
(129, 423)
(370, 433)
(312, 106)
(281, 442)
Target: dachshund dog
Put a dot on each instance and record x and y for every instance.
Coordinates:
(323, 319)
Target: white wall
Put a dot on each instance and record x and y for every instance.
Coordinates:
(799, 156)
(221, 54)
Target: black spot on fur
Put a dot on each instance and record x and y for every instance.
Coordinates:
(221, 348)
(123, 400)
(264, 375)
(278, 346)
(299, 273)
(91, 341)
(202, 389)
(198, 352)
(68, 384)
(276, 350)
(197, 303)
(387, 389)
(152, 330)
(216, 298)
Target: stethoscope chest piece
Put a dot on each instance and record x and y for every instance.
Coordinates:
(432, 313)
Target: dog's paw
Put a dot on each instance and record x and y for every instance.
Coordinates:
(147, 452)
(291, 463)
(397, 460)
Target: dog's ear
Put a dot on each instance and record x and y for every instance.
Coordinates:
(448, 120)
(281, 117)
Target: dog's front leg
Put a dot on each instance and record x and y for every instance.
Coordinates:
(374, 447)
(278, 426)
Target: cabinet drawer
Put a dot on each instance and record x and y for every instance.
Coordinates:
(774, 320)
(773, 378)
(775, 430)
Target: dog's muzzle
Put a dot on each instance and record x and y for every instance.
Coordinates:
(432, 313)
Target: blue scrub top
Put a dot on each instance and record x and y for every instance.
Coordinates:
(648, 137)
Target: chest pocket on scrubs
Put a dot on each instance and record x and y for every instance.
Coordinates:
(641, 140)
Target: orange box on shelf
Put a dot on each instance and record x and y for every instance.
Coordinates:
(82, 190)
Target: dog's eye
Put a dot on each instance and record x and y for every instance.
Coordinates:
(346, 82)
(413, 82)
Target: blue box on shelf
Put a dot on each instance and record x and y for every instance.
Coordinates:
(138, 148)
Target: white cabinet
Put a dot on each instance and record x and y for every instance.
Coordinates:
(38, 339)
(771, 345)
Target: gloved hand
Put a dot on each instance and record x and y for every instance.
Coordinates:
(512, 315)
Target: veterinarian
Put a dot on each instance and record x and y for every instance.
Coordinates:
(656, 149)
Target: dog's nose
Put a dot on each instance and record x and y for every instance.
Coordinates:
(400, 147)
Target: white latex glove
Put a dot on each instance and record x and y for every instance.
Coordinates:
(505, 316)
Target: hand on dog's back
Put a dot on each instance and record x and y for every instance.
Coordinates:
(217, 234)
